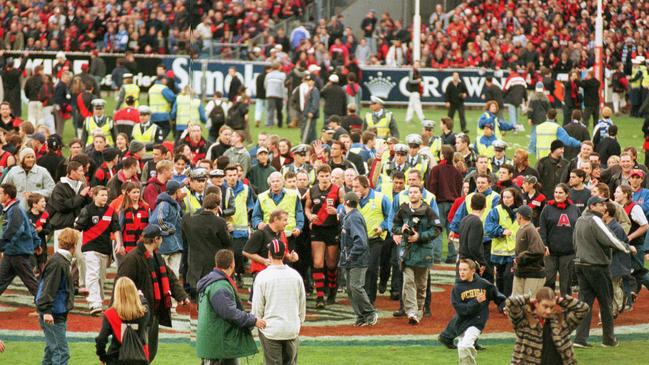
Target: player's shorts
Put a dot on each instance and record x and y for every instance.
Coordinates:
(328, 235)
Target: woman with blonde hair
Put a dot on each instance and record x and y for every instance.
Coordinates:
(127, 309)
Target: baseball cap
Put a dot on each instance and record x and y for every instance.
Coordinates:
(172, 186)
(525, 211)
(531, 179)
(277, 249)
(595, 200)
(637, 172)
(152, 231)
(262, 150)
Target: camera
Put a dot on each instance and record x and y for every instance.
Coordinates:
(407, 232)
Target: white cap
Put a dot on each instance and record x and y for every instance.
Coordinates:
(256, 49)
(127, 75)
(638, 60)
(98, 102)
(313, 68)
(334, 78)
(278, 47)
(414, 139)
(376, 100)
(143, 109)
(60, 56)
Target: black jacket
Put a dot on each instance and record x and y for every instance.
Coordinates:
(111, 356)
(260, 87)
(51, 162)
(452, 94)
(91, 216)
(471, 233)
(136, 267)
(579, 132)
(335, 100)
(65, 205)
(591, 92)
(56, 288)
(205, 234)
(556, 226)
(550, 173)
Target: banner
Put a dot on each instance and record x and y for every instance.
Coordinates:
(389, 84)
(208, 76)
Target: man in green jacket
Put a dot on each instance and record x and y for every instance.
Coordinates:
(224, 328)
(414, 228)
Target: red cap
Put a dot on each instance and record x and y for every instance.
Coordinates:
(637, 172)
(85, 67)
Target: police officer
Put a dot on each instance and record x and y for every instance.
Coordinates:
(98, 123)
(429, 139)
(227, 196)
(146, 132)
(416, 160)
(129, 88)
(299, 153)
(499, 157)
(380, 119)
(398, 163)
(193, 200)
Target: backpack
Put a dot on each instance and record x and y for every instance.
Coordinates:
(132, 350)
(217, 115)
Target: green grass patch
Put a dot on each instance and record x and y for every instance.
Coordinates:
(18, 353)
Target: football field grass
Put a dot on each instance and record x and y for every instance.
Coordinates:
(19, 353)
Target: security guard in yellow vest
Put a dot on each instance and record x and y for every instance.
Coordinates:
(547, 132)
(380, 119)
(483, 186)
(390, 166)
(146, 132)
(375, 208)
(299, 163)
(243, 202)
(193, 200)
(161, 99)
(501, 226)
(416, 159)
(98, 123)
(279, 198)
(635, 84)
(187, 109)
(128, 89)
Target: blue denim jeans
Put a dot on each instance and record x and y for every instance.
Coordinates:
(513, 113)
(56, 345)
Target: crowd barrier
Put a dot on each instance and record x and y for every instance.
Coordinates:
(209, 75)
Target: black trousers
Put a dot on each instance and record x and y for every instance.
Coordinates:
(591, 111)
(237, 246)
(595, 283)
(384, 266)
(504, 278)
(372, 274)
(154, 328)
(21, 266)
(303, 249)
(396, 285)
(276, 107)
(460, 109)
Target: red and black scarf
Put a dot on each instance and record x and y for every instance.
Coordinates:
(160, 279)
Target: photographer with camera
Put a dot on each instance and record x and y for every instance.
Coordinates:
(415, 227)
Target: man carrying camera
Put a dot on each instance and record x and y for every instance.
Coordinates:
(415, 227)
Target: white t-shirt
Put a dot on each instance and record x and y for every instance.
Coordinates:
(637, 215)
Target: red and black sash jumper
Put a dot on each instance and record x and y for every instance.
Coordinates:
(97, 225)
(320, 200)
(133, 220)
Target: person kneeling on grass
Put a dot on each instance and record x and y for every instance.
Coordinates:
(55, 298)
(470, 298)
(542, 329)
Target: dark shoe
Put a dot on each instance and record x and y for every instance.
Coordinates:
(450, 260)
(478, 347)
(399, 313)
(360, 323)
(331, 298)
(581, 345)
(383, 287)
(437, 262)
(96, 311)
(373, 319)
(427, 312)
(239, 281)
(614, 344)
(466, 131)
(395, 296)
(319, 303)
(447, 342)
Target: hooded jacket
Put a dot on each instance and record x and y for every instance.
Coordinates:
(167, 214)
(557, 224)
(469, 312)
(223, 326)
(18, 234)
(153, 188)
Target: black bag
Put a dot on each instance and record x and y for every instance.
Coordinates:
(217, 115)
(131, 351)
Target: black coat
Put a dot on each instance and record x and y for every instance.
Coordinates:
(136, 267)
(235, 86)
(65, 205)
(335, 100)
(577, 131)
(205, 234)
(452, 94)
(50, 161)
(550, 173)
(591, 92)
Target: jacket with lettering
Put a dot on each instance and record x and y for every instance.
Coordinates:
(468, 311)
(556, 225)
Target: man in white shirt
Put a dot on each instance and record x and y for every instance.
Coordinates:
(280, 300)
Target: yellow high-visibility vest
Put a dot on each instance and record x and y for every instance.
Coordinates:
(506, 245)
(134, 91)
(546, 133)
(372, 211)
(240, 217)
(106, 129)
(186, 110)
(382, 126)
(157, 101)
(287, 204)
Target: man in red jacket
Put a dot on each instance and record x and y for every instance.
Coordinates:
(158, 183)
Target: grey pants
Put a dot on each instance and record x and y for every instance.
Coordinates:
(563, 264)
(279, 352)
(355, 278)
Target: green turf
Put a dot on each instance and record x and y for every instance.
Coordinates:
(18, 353)
(630, 133)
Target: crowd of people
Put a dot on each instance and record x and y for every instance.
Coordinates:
(160, 27)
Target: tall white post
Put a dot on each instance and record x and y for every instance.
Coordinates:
(598, 68)
(416, 34)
